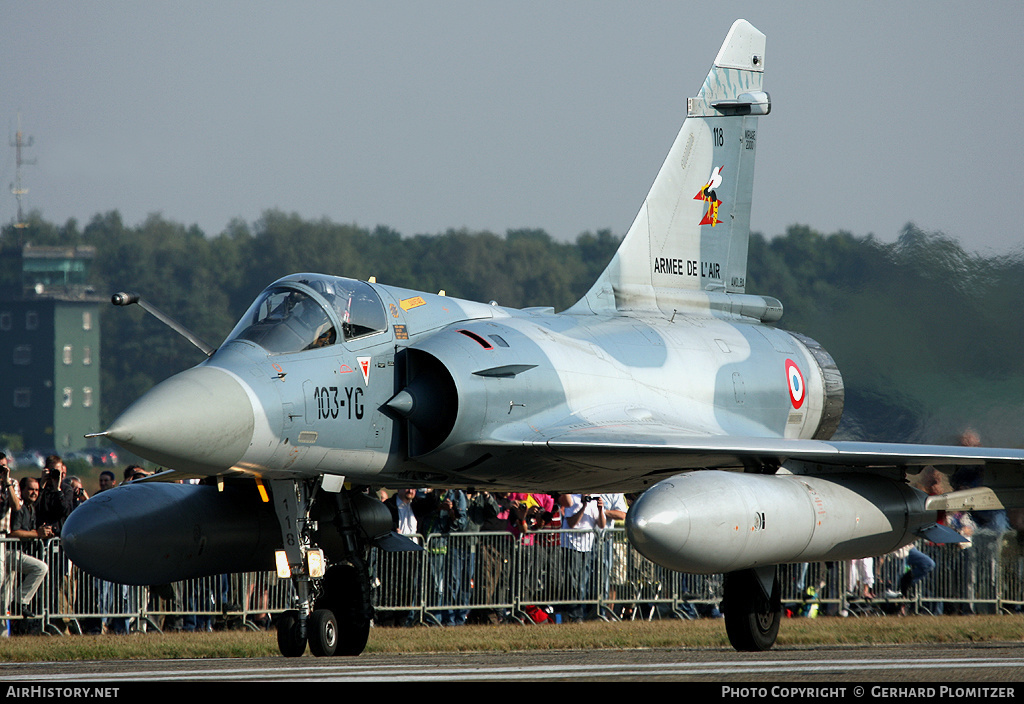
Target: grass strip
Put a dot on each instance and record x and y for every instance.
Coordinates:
(705, 633)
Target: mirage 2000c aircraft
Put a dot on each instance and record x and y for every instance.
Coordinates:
(666, 378)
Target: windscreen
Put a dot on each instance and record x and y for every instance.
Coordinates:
(287, 319)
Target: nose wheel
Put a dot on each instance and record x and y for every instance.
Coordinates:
(291, 641)
(323, 633)
(340, 623)
(346, 601)
(334, 607)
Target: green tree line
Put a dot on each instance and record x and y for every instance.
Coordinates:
(927, 335)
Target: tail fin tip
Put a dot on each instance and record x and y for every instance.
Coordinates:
(689, 239)
(743, 48)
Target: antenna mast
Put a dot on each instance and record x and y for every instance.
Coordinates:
(16, 188)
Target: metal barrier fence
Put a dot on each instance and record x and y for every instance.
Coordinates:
(495, 575)
(69, 600)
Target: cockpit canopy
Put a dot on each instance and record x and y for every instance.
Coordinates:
(306, 311)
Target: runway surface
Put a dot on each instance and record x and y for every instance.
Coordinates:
(992, 663)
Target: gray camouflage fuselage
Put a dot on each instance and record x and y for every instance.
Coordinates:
(485, 379)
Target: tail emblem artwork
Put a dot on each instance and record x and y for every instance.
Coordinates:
(709, 196)
(661, 380)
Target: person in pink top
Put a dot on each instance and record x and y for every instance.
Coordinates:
(527, 513)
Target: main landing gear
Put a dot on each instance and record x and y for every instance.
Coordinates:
(752, 606)
(334, 605)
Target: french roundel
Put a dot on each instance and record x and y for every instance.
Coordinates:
(796, 383)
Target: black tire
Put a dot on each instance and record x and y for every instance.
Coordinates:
(751, 619)
(289, 642)
(348, 596)
(354, 635)
(323, 633)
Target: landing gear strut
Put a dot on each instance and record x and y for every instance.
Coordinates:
(753, 608)
(334, 607)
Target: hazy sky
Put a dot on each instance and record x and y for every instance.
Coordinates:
(425, 116)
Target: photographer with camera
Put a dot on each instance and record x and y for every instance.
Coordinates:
(56, 499)
(78, 492)
(24, 570)
(527, 513)
(10, 497)
(10, 501)
(583, 513)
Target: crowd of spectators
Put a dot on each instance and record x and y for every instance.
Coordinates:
(566, 547)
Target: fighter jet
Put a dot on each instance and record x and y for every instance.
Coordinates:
(665, 378)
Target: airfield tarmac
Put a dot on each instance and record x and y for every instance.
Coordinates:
(937, 665)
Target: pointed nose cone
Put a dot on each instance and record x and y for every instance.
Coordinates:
(200, 420)
(658, 525)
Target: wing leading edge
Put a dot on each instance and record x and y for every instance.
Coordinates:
(667, 450)
(636, 451)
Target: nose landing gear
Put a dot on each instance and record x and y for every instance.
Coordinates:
(334, 610)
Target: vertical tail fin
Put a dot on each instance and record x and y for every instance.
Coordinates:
(691, 233)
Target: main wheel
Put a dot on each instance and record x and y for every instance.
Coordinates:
(323, 633)
(348, 597)
(289, 640)
(751, 618)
